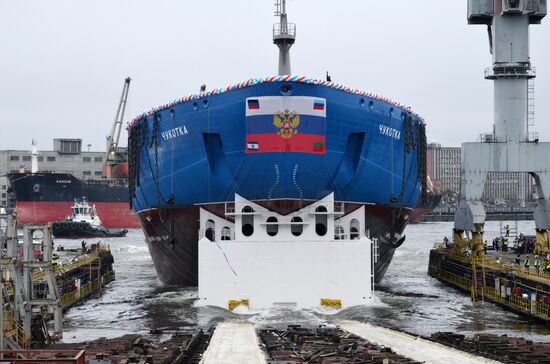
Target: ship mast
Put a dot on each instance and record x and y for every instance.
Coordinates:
(34, 158)
(284, 35)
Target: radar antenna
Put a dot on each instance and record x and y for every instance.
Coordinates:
(284, 35)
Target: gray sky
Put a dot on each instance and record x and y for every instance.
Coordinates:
(63, 62)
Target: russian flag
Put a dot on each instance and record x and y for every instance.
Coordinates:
(253, 104)
(304, 125)
(318, 105)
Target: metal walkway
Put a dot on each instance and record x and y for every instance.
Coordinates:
(234, 342)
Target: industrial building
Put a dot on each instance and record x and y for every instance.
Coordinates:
(444, 172)
(65, 157)
(444, 167)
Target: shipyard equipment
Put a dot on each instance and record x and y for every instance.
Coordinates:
(511, 147)
(115, 162)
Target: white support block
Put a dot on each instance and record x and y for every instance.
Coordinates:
(296, 274)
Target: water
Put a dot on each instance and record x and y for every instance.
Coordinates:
(407, 298)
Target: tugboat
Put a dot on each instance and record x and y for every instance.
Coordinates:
(83, 223)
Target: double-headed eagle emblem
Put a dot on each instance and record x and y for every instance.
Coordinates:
(286, 122)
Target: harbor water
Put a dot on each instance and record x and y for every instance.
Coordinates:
(407, 298)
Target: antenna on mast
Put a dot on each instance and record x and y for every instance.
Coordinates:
(284, 35)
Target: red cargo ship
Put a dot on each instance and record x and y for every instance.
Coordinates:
(46, 197)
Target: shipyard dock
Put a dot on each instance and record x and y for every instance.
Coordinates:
(40, 283)
(496, 278)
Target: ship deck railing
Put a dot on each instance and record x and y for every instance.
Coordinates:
(46, 356)
(14, 330)
(491, 263)
(516, 302)
(283, 30)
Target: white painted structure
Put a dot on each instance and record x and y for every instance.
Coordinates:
(509, 148)
(294, 260)
(34, 158)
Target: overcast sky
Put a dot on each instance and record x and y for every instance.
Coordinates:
(63, 62)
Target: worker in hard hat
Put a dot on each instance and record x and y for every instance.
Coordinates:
(55, 260)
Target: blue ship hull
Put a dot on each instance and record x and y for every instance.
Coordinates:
(194, 153)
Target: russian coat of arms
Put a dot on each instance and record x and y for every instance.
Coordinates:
(286, 122)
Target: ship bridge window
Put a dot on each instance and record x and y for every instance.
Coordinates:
(321, 220)
(209, 229)
(247, 227)
(354, 229)
(339, 233)
(272, 226)
(296, 227)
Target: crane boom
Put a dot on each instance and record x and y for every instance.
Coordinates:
(113, 138)
(111, 158)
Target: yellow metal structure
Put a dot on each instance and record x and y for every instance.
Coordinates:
(477, 245)
(232, 304)
(459, 243)
(542, 243)
(15, 331)
(332, 303)
(515, 302)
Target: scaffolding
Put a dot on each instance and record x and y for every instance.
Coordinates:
(19, 277)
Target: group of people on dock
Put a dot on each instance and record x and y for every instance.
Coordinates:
(538, 264)
(523, 244)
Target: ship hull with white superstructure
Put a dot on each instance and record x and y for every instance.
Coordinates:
(202, 151)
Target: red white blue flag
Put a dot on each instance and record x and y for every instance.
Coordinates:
(276, 124)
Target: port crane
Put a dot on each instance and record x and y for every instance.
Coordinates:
(116, 159)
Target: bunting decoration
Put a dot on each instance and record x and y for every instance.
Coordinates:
(287, 78)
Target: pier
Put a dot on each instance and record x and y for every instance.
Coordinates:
(501, 281)
(38, 283)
